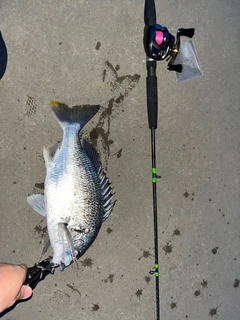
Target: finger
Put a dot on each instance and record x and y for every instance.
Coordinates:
(24, 293)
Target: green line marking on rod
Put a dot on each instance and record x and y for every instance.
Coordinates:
(156, 274)
(156, 266)
(154, 179)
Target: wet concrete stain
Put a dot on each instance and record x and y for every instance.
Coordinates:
(38, 188)
(168, 248)
(197, 293)
(215, 250)
(59, 295)
(98, 45)
(204, 283)
(116, 81)
(236, 283)
(109, 230)
(186, 194)
(146, 254)
(120, 87)
(104, 75)
(118, 153)
(147, 279)
(213, 312)
(87, 262)
(39, 185)
(42, 231)
(73, 288)
(173, 305)
(176, 232)
(119, 99)
(139, 293)
(95, 307)
(31, 106)
(109, 279)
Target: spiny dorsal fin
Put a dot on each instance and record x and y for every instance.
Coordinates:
(107, 194)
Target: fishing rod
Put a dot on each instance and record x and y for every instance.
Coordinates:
(3, 56)
(159, 44)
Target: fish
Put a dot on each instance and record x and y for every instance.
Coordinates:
(78, 196)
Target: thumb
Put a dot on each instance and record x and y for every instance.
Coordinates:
(25, 293)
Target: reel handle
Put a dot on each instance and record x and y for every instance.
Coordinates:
(186, 32)
(175, 67)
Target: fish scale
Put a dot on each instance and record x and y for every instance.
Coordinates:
(78, 195)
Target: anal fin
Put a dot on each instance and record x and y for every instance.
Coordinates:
(37, 202)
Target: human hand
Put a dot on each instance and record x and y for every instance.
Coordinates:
(12, 289)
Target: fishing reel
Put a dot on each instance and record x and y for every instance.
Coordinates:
(159, 44)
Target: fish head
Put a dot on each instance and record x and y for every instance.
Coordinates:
(64, 251)
(66, 259)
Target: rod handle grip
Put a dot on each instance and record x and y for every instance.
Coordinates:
(152, 101)
(149, 13)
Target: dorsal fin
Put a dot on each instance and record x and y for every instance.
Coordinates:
(92, 155)
(107, 194)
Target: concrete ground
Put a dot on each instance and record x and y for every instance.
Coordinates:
(91, 52)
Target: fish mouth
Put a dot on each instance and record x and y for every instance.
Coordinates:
(62, 266)
(65, 262)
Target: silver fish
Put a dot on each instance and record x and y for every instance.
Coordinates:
(78, 195)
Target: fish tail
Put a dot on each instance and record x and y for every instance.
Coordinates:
(77, 114)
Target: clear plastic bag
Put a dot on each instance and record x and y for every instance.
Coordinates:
(188, 58)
